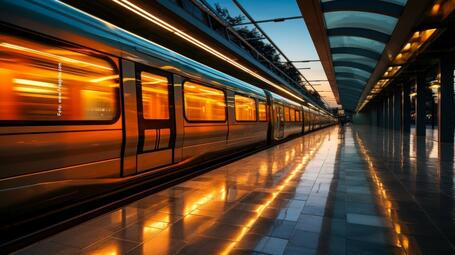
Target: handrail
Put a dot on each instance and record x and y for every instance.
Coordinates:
(207, 9)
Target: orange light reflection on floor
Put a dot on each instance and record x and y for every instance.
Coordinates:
(401, 240)
(260, 209)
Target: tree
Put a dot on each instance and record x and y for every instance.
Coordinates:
(254, 38)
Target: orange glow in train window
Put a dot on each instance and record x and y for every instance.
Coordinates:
(262, 111)
(291, 114)
(155, 96)
(203, 103)
(286, 114)
(245, 108)
(45, 82)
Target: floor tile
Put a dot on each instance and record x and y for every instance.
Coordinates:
(369, 220)
(365, 192)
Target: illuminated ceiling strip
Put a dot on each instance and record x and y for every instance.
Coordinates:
(50, 55)
(148, 16)
(167, 28)
(417, 40)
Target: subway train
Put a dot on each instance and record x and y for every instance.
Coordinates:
(86, 107)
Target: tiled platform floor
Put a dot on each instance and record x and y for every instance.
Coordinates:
(357, 191)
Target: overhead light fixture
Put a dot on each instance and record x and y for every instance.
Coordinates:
(363, 104)
(441, 9)
(161, 23)
(382, 83)
(391, 71)
(435, 85)
(415, 42)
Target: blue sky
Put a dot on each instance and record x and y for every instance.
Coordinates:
(291, 36)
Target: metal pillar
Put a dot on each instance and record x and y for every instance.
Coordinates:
(446, 104)
(397, 108)
(380, 114)
(406, 108)
(390, 114)
(385, 111)
(373, 114)
(420, 105)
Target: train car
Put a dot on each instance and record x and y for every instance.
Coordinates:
(86, 108)
(286, 116)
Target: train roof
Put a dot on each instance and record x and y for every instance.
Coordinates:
(54, 18)
(59, 20)
(282, 99)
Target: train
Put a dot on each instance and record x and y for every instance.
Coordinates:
(85, 104)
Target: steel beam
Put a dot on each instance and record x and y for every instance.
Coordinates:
(446, 101)
(391, 111)
(397, 108)
(406, 108)
(420, 105)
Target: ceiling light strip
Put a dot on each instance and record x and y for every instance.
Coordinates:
(148, 16)
(417, 40)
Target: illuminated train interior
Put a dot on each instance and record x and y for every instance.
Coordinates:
(106, 108)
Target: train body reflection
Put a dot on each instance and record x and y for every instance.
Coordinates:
(87, 108)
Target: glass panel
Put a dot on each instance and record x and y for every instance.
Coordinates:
(354, 58)
(279, 111)
(291, 114)
(351, 76)
(245, 108)
(354, 82)
(399, 2)
(155, 98)
(204, 103)
(357, 19)
(286, 113)
(356, 42)
(44, 82)
(262, 111)
(355, 71)
(297, 116)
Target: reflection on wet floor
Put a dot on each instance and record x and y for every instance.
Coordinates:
(334, 191)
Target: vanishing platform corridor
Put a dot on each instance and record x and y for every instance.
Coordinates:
(333, 191)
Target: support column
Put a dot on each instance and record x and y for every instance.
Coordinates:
(446, 104)
(373, 115)
(397, 107)
(380, 116)
(390, 108)
(406, 108)
(420, 105)
(385, 112)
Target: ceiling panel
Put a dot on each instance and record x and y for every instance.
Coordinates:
(358, 32)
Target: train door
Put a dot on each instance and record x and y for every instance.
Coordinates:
(156, 125)
(278, 132)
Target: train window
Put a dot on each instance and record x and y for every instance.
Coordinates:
(297, 115)
(291, 114)
(286, 114)
(203, 103)
(155, 97)
(262, 111)
(47, 82)
(245, 108)
(278, 112)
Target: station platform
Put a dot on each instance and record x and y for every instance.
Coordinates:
(350, 190)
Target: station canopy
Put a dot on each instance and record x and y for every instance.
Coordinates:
(357, 33)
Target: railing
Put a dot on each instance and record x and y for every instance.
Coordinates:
(203, 11)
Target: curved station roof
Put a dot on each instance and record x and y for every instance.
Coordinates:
(356, 34)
